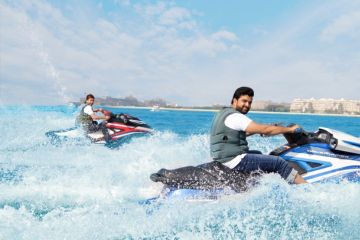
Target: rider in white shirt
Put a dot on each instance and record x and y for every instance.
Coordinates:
(88, 119)
(228, 144)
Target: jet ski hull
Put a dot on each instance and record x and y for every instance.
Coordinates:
(316, 156)
(318, 161)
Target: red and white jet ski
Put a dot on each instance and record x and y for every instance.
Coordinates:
(120, 126)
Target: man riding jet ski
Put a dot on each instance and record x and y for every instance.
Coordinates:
(87, 118)
(116, 126)
(229, 147)
(321, 156)
(119, 126)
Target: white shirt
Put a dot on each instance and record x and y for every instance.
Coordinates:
(238, 122)
(89, 110)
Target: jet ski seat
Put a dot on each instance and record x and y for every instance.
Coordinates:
(208, 176)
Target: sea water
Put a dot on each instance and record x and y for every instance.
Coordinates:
(82, 191)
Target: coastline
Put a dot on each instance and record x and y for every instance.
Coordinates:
(311, 114)
(215, 110)
(165, 108)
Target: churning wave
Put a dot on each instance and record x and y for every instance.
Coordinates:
(81, 191)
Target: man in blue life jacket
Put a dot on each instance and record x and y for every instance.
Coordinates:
(88, 119)
(228, 143)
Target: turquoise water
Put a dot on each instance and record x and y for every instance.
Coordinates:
(81, 191)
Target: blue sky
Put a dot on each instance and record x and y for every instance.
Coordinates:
(188, 52)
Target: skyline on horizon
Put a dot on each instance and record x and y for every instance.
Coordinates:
(159, 98)
(187, 52)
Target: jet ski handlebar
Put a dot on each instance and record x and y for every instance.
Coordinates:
(301, 137)
(106, 112)
(298, 137)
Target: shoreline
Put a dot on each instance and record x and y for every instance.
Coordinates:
(207, 110)
(215, 110)
(164, 108)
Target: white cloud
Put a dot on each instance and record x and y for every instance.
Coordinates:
(224, 35)
(168, 15)
(151, 10)
(106, 58)
(174, 15)
(347, 24)
(162, 51)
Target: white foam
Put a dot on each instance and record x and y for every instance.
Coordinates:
(91, 192)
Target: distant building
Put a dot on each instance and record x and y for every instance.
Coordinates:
(127, 101)
(323, 105)
(260, 105)
(270, 106)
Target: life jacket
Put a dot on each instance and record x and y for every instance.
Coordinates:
(226, 143)
(83, 119)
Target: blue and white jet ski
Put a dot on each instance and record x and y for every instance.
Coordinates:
(120, 126)
(321, 156)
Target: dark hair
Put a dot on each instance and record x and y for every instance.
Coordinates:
(242, 91)
(89, 96)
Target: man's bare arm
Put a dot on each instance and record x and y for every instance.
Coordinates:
(256, 128)
(96, 117)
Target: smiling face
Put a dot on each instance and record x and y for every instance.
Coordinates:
(90, 101)
(242, 104)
